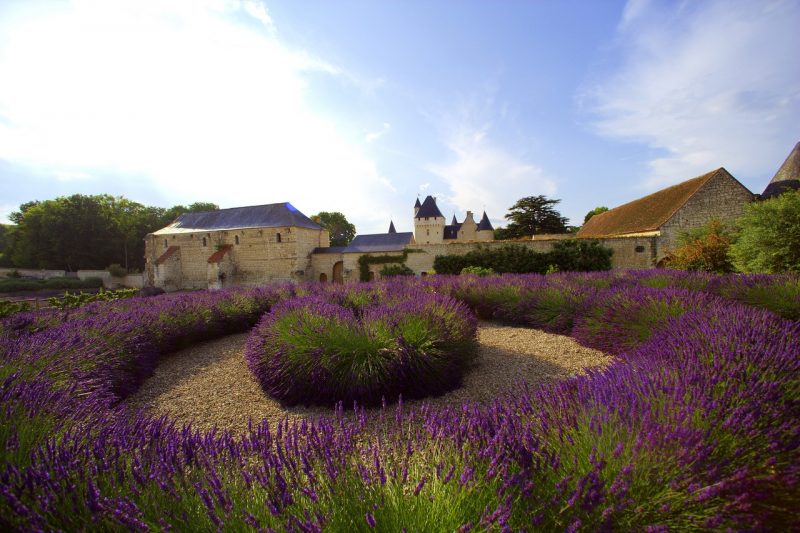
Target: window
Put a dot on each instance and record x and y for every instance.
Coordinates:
(639, 249)
(166, 245)
(427, 232)
(236, 239)
(277, 237)
(204, 241)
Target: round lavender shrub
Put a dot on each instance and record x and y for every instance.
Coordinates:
(314, 350)
(617, 320)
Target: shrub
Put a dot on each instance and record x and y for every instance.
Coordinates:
(8, 308)
(396, 270)
(116, 270)
(616, 320)
(705, 250)
(313, 351)
(579, 256)
(779, 294)
(769, 236)
(479, 271)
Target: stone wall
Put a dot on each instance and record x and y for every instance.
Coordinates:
(722, 197)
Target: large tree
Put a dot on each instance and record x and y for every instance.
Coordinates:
(534, 215)
(342, 231)
(769, 236)
(593, 212)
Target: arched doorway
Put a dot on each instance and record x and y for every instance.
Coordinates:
(338, 269)
(323, 277)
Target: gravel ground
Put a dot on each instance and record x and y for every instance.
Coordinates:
(210, 385)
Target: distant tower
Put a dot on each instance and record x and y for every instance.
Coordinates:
(391, 227)
(485, 230)
(428, 222)
(787, 178)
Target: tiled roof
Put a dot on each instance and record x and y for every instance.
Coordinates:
(256, 216)
(217, 256)
(648, 213)
(166, 255)
(485, 224)
(429, 209)
(787, 178)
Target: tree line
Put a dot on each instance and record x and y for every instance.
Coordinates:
(84, 232)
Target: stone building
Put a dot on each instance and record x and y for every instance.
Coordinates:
(668, 212)
(430, 227)
(787, 178)
(239, 246)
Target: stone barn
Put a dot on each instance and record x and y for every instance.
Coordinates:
(233, 247)
(668, 212)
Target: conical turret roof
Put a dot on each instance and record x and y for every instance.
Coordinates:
(484, 224)
(391, 227)
(787, 178)
(454, 221)
(417, 204)
(429, 209)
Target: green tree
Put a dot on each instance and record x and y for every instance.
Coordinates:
(342, 231)
(534, 215)
(769, 236)
(593, 212)
(704, 249)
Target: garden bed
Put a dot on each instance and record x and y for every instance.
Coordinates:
(209, 385)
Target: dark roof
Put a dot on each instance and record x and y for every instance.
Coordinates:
(485, 224)
(217, 256)
(454, 221)
(451, 231)
(256, 216)
(391, 227)
(429, 209)
(787, 178)
(648, 213)
(417, 204)
(377, 242)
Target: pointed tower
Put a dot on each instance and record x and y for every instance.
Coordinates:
(485, 230)
(454, 222)
(391, 227)
(417, 205)
(787, 178)
(428, 222)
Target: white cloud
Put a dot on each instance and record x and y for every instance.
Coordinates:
(483, 175)
(183, 93)
(375, 135)
(710, 84)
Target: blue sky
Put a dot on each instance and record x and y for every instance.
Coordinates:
(359, 107)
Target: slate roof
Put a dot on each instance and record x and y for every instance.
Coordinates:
(256, 216)
(391, 227)
(376, 242)
(451, 231)
(485, 224)
(429, 209)
(648, 213)
(787, 178)
(417, 204)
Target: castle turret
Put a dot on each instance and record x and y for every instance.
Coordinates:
(391, 227)
(428, 222)
(787, 178)
(485, 230)
(417, 205)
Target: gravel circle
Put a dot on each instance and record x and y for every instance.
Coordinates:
(209, 384)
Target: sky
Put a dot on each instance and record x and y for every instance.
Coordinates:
(363, 106)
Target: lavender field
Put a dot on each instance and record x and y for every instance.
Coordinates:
(696, 425)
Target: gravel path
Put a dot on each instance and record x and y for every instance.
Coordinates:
(210, 385)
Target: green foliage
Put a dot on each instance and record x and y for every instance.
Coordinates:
(72, 301)
(85, 232)
(769, 236)
(480, 271)
(365, 261)
(593, 212)
(568, 255)
(117, 270)
(396, 270)
(534, 215)
(19, 285)
(8, 308)
(704, 249)
(341, 231)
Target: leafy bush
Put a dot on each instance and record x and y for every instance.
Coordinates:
(705, 250)
(479, 271)
(769, 236)
(117, 270)
(71, 301)
(19, 285)
(310, 350)
(567, 255)
(396, 270)
(8, 308)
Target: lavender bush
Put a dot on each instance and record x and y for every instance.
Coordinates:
(314, 351)
(697, 427)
